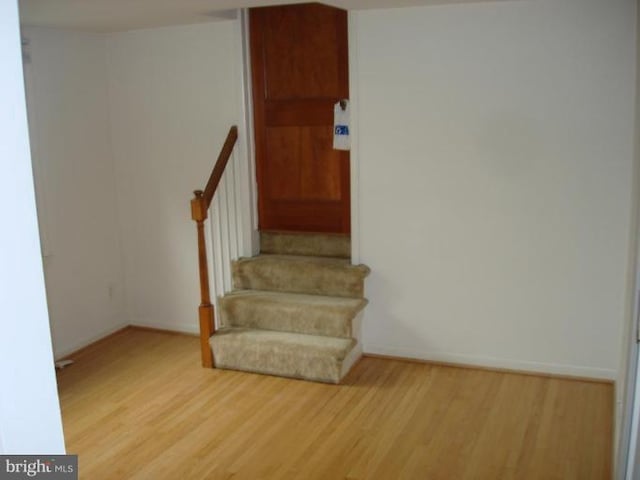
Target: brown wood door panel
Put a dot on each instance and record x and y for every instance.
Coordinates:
(299, 112)
(293, 216)
(300, 69)
(315, 180)
(300, 54)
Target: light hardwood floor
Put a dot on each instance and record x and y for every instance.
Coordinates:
(139, 406)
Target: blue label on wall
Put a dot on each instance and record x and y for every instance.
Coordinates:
(341, 130)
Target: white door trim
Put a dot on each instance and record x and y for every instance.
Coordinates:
(355, 151)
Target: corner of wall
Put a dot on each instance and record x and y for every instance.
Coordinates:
(126, 310)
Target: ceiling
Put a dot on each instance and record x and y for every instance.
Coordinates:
(121, 15)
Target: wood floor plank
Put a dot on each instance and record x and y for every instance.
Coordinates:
(139, 406)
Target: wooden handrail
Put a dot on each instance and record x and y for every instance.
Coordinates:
(220, 165)
(199, 208)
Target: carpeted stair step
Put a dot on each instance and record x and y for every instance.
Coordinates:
(298, 274)
(306, 244)
(296, 355)
(291, 312)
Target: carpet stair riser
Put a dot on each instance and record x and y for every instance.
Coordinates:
(310, 314)
(318, 244)
(309, 275)
(309, 357)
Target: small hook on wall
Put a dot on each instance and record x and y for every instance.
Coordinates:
(343, 104)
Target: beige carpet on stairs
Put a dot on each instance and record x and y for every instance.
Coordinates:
(316, 245)
(313, 357)
(290, 312)
(293, 315)
(300, 274)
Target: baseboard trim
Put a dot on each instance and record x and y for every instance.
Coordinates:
(167, 327)
(565, 372)
(78, 352)
(96, 340)
(166, 331)
(79, 346)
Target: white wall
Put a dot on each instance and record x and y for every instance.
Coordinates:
(70, 130)
(124, 127)
(174, 94)
(495, 156)
(29, 410)
(502, 132)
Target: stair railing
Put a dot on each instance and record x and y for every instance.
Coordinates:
(199, 211)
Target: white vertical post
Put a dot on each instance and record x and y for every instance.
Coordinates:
(249, 190)
(30, 421)
(354, 154)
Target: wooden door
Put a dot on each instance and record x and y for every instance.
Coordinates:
(299, 62)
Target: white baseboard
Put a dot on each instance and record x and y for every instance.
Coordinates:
(443, 357)
(493, 362)
(74, 347)
(173, 327)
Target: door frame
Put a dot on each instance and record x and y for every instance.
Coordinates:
(627, 389)
(354, 104)
(248, 127)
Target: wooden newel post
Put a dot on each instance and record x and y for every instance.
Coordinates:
(205, 310)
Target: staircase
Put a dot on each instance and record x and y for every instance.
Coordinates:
(295, 310)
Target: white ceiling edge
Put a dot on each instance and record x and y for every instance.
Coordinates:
(105, 16)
